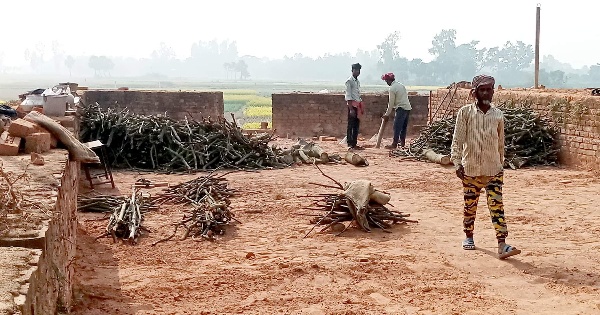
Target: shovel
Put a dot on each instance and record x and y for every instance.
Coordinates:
(377, 137)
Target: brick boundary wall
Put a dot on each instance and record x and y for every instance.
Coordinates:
(576, 112)
(314, 114)
(176, 104)
(51, 285)
(44, 248)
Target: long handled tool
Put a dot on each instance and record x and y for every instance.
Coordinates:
(379, 135)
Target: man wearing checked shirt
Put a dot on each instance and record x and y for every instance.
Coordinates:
(478, 155)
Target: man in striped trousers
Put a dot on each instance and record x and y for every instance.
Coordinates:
(478, 155)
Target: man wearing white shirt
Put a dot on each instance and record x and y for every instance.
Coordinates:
(398, 101)
(355, 107)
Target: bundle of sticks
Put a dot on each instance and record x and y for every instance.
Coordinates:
(159, 142)
(337, 211)
(196, 190)
(359, 202)
(208, 212)
(125, 222)
(106, 203)
(530, 139)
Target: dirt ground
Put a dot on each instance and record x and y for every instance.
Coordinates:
(420, 268)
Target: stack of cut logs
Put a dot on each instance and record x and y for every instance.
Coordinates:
(304, 152)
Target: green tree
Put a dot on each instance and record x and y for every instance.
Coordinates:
(102, 65)
(554, 79)
(515, 57)
(388, 51)
(594, 73)
(242, 68)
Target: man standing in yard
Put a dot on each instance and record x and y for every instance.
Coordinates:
(398, 101)
(478, 155)
(355, 107)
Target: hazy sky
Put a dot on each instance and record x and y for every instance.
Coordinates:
(570, 29)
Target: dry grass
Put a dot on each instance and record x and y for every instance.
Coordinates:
(11, 200)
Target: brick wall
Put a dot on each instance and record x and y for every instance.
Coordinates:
(313, 114)
(44, 284)
(175, 104)
(575, 111)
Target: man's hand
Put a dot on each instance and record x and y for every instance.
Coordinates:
(385, 117)
(460, 172)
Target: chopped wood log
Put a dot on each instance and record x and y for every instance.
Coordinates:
(314, 150)
(437, 158)
(355, 159)
(380, 197)
(304, 152)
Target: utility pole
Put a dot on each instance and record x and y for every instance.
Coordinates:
(537, 46)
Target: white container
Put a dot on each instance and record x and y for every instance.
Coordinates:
(31, 101)
(55, 105)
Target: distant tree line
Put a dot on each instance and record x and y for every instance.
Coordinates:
(511, 64)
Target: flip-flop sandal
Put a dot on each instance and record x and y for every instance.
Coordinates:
(508, 251)
(468, 244)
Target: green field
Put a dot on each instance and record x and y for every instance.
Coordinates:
(236, 100)
(258, 111)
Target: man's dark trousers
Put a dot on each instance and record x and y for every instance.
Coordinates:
(353, 124)
(400, 126)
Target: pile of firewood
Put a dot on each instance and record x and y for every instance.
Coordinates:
(158, 142)
(126, 219)
(530, 139)
(208, 210)
(358, 202)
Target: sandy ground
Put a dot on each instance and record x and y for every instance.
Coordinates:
(418, 269)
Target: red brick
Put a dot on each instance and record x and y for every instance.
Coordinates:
(21, 128)
(9, 145)
(38, 142)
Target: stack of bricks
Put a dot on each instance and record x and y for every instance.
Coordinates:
(314, 114)
(176, 105)
(576, 113)
(26, 136)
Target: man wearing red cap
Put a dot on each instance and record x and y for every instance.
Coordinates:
(398, 101)
(478, 155)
